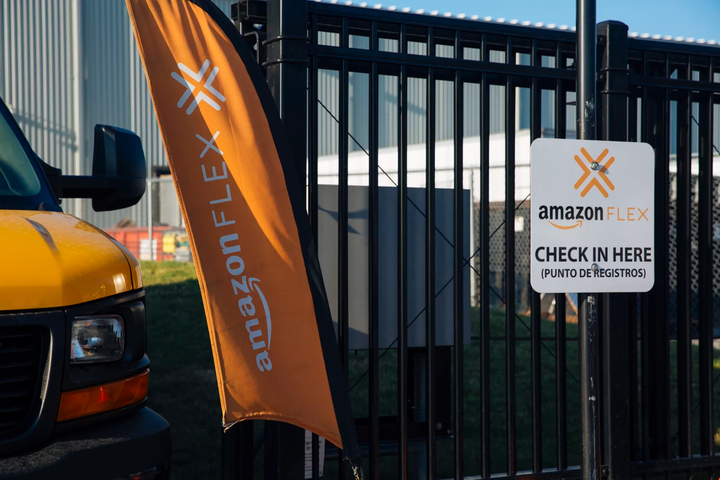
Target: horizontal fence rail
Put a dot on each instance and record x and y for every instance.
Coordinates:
(418, 193)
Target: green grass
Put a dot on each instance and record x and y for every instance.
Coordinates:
(498, 402)
(183, 385)
(183, 388)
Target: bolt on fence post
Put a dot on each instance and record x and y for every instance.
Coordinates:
(588, 321)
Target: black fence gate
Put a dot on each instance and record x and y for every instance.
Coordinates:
(418, 134)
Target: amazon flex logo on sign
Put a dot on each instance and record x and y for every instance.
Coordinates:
(592, 226)
(587, 172)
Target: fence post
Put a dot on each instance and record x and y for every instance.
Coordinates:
(237, 452)
(286, 64)
(616, 314)
(287, 77)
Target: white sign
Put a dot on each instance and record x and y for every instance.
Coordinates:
(308, 455)
(592, 216)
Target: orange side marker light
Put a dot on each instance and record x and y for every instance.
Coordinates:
(103, 398)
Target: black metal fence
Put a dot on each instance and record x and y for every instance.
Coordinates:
(503, 400)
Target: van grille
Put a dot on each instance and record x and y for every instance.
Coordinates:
(20, 367)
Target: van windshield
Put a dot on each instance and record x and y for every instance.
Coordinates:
(21, 184)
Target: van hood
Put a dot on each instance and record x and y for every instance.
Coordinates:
(52, 259)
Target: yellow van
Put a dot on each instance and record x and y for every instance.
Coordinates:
(73, 364)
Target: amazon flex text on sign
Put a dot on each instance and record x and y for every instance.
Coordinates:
(592, 216)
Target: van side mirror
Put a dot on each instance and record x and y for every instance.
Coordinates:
(119, 172)
(118, 156)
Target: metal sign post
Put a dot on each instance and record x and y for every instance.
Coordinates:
(588, 321)
(592, 227)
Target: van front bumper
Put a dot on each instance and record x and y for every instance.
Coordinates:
(136, 445)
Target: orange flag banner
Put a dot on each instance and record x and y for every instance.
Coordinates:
(276, 356)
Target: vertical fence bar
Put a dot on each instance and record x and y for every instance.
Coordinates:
(705, 270)
(430, 262)
(237, 452)
(247, 448)
(646, 298)
(561, 380)
(374, 333)
(510, 267)
(313, 136)
(313, 188)
(485, 267)
(634, 302)
(535, 319)
(655, 332)
(402, 264)
(560, 300)
(645, 306)
(343, 307)
(684, 287)
(459, 264)
(633, 432)
(315, 452)
(617, 317)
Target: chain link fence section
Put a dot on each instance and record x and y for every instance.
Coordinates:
(158, 234)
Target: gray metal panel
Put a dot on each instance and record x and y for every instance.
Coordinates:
(328, 98)
(359, 111)
(388, 110)
(716, 131)
(444, 106)
(169, 208)
(387, 240)
(417, 108)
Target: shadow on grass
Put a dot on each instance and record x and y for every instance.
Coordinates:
(183, 387)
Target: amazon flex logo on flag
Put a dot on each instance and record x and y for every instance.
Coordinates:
(197, 78)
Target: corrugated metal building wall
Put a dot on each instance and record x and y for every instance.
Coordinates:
(68, 65)
(39, 62)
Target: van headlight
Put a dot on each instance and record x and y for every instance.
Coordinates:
(97, 338)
